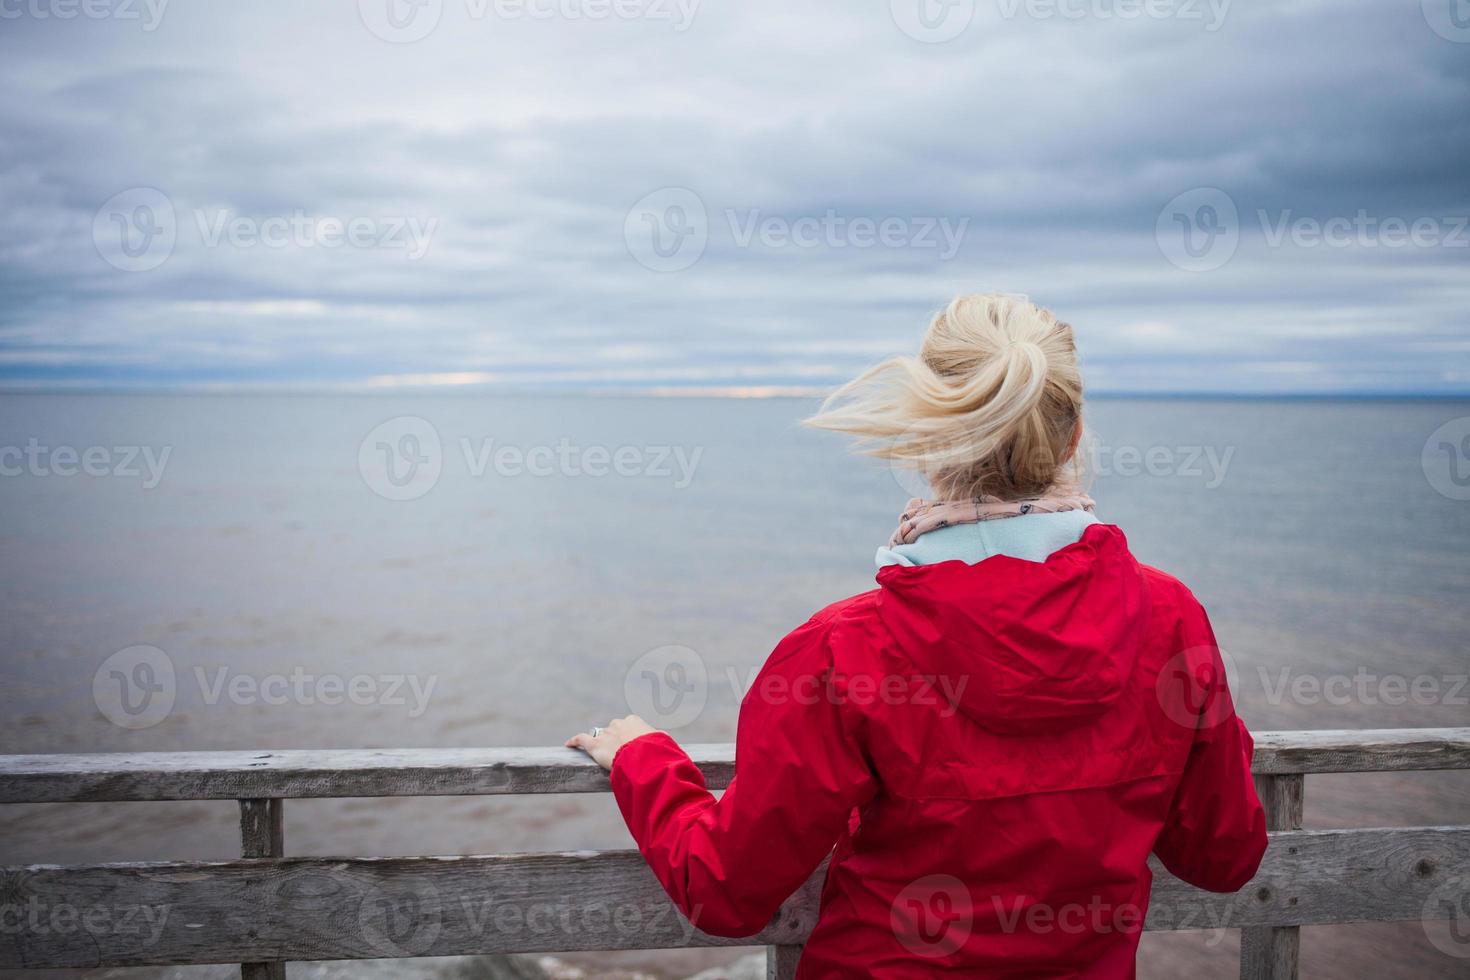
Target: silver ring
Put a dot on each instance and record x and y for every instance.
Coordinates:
(595, 732)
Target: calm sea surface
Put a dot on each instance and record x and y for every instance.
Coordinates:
(561, 539)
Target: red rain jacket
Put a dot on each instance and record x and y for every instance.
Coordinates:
(994, 749)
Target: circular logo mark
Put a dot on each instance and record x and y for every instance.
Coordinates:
(1450, 19)
(667, 231)
(401, 459)
(1194, 687)
(912, 472)
(910, 480)
(909, 475)
(1446, 459)
(667, 686)
(400, 21)
(135, 230)
(932, 21)
(933, 916)
(400, 918)
(1199, 230)
(1447, 916)
(135, 687)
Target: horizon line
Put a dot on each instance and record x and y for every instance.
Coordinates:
(751, 392)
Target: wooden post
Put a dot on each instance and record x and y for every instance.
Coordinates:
(781, 962)
(262, 835)
(1269, 952)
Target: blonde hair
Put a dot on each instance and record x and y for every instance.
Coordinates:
(990, 406)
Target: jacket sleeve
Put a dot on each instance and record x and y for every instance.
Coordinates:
(1215, 834)
(728, 864)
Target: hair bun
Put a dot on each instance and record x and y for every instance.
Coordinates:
(988, 408)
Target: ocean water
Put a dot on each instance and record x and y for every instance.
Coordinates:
(485, 570)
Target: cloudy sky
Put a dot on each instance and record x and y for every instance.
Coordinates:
(1221, 196)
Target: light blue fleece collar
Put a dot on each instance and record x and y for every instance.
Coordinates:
(1032, 537)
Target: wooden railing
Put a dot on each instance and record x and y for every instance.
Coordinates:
(266, 909)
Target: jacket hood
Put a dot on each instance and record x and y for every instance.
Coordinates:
(1020, 646)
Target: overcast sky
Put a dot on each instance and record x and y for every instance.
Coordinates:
(1243, 197)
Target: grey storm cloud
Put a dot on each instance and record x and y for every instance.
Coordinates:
(844, 177)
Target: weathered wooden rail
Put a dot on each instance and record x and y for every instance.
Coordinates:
(266, 909)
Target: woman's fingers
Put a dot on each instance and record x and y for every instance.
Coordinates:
(596, 747)
(605, 745)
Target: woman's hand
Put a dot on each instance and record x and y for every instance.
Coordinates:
(605, 745)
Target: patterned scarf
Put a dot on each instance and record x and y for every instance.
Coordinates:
(922, 516)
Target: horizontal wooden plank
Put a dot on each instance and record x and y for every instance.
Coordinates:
(1375, 750)
(308, 773)
(298, 773)
(361, 908)
(320, 908)
(1320, 877)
